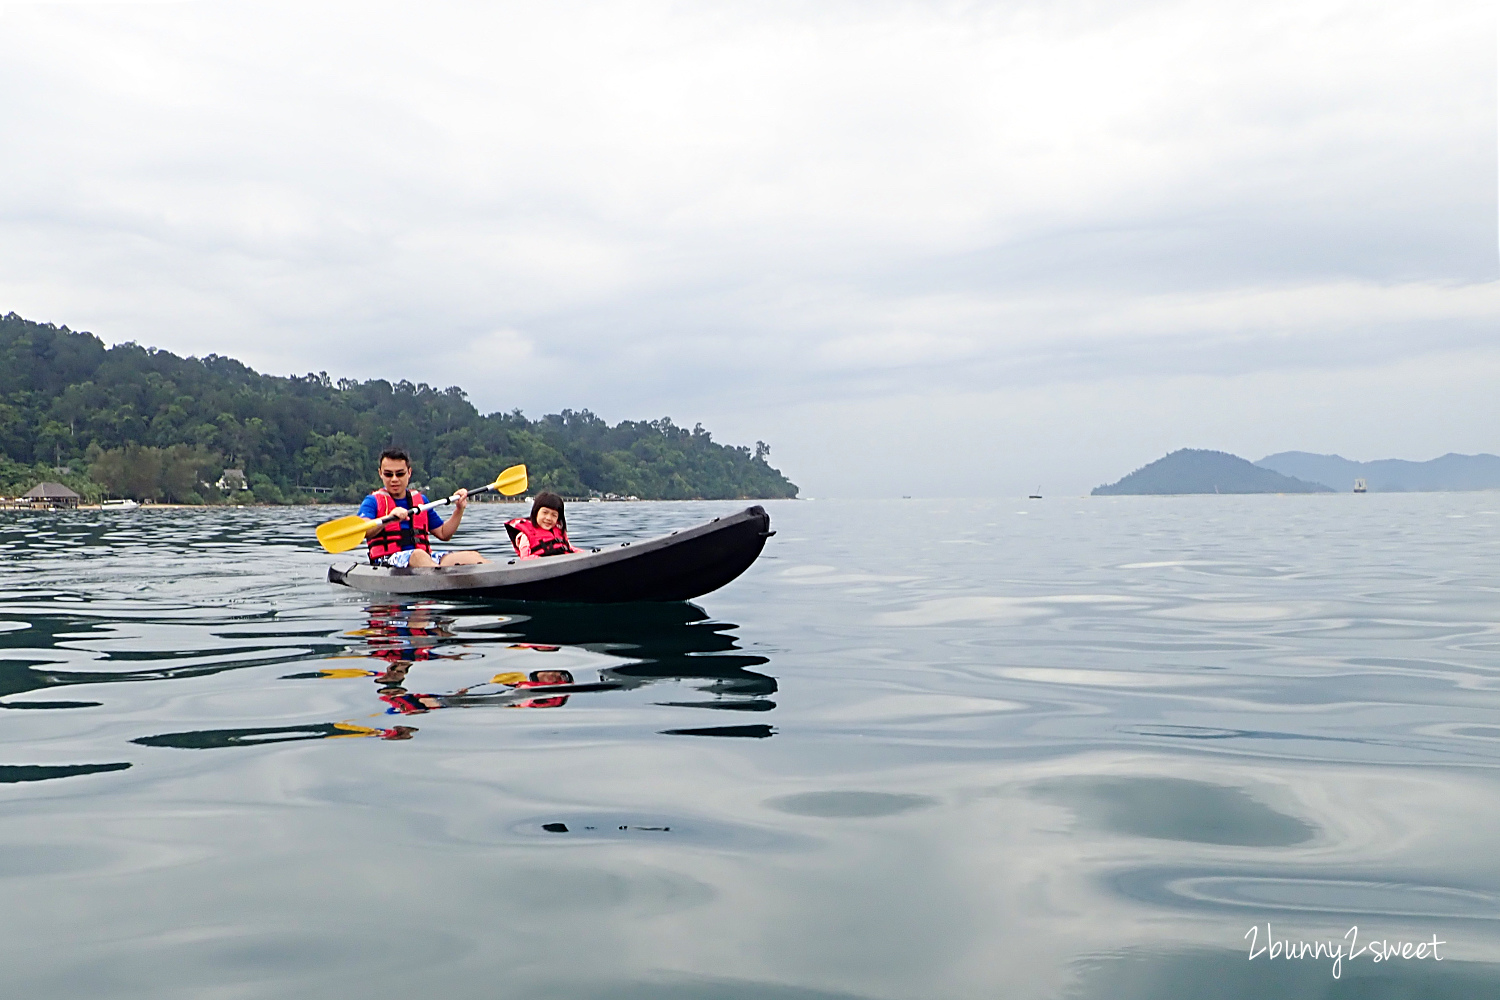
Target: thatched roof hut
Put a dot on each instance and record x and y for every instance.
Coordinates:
(51, 495)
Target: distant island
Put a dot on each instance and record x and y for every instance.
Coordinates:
(1193, 470)
(128, 421)
(1391, 475)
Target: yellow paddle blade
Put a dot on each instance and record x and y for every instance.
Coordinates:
(511, 481)
(350, 729)
(347, 672)
(508, 678)
(343, 534)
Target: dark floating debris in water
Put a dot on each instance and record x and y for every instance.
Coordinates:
(563, 828)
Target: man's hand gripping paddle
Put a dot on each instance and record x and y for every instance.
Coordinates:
(347, 532)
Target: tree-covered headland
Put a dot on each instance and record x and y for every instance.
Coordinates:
(136, 422)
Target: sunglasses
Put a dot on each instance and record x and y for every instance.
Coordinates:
(387, 473)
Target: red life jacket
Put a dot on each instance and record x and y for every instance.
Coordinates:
(405, 703)
(543, 543)
(556, 702)
(398, 536)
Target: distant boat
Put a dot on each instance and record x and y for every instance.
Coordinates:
(118, 505)
(1037, 495)
(1360, 487)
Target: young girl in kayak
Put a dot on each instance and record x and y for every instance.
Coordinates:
(545, 532)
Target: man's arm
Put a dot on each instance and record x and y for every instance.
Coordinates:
(445, 531)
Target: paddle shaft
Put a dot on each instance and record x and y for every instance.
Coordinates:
(344, 533)
(434, 503)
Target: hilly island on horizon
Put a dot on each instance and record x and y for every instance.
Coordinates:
(135, 422)
(1196, 470)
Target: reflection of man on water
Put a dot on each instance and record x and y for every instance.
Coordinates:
(393, 623)
(407, 703)
(404, 636)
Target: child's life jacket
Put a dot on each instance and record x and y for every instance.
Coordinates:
(543, 542)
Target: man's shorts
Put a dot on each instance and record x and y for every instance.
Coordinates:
(399, 560)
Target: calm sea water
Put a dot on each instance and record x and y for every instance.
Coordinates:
(1066, 748)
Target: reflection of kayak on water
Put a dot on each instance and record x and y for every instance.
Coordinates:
(642, 645)
(675, 567)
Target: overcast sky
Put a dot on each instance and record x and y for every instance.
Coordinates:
(918, 248)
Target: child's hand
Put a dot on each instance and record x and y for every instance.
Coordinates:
(462, 501)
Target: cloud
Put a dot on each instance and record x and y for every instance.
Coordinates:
(720, 210)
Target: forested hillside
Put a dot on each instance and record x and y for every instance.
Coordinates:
(134, 421)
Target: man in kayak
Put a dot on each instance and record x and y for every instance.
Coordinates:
(545, 532)
(404, 541)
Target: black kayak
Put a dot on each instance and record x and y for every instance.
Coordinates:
(675, 567)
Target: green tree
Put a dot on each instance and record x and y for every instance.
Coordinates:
(173, 474)
(265, 491)
(338, 460)
(132, 471)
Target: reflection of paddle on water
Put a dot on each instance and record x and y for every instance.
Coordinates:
(518, 691)
(211, 739)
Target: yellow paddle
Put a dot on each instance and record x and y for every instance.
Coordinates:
(347, 532)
